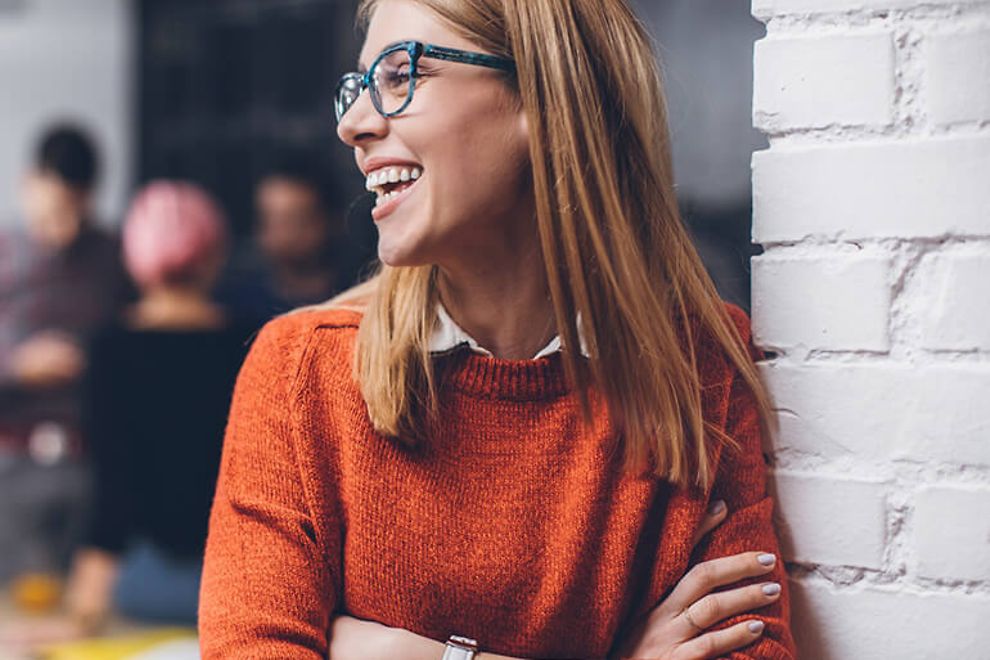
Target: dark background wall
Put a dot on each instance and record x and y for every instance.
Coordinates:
(227, 85)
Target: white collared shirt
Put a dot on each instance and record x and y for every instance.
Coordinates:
(448, 336)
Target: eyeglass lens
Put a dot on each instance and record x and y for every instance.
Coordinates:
(390, 85)
(391, 82)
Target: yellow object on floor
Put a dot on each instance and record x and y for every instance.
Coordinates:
(118, 648)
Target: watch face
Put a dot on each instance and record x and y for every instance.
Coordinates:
(464, 641)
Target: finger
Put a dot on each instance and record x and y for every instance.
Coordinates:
(707, 575)
(721, 605)
(715, 515)
(719, 642)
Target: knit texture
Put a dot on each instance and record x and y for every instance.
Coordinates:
(516, 525)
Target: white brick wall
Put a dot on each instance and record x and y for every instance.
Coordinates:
(955, 60)
(836, 302)
(887, 187)
(951, 528)
(801, 83)
(859, 621)
(873, 293)
(831, 520)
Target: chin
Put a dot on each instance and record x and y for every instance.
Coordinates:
(401, 251)
(396, 256)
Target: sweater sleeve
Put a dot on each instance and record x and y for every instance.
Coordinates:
(267, 589)
(741, 481)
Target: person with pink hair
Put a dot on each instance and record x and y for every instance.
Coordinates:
(158, 390)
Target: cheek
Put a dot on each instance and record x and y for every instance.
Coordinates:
(482, 168)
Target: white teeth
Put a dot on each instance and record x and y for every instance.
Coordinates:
(375, 181)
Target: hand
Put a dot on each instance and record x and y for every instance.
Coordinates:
(89, 594)
(675, 629)
(48, 359)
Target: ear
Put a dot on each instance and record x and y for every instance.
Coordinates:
(29, 182)
(522, 123)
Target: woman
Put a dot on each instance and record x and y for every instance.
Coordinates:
(158, 391)
(546, 393)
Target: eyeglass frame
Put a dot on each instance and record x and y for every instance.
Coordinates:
(416, 50)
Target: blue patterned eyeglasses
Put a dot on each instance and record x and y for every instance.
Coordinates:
(391, 80)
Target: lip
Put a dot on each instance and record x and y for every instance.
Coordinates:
(377, 163)
(379, 213)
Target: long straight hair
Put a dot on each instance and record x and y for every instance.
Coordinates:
(618, 258)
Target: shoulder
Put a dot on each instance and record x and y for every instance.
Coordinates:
(710, 342)
(741, 320)
(307, 321)
(282, 343)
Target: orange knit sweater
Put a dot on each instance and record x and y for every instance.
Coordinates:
(515, 526)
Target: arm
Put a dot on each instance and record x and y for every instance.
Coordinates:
(354, 639)
(268, 584)
(741, 482)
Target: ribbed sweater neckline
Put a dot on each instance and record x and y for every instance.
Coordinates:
(498, 378)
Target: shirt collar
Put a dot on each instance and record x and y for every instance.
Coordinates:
(448, 336)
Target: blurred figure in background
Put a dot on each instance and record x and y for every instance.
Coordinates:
(158, 390)
(60, 279)
(298, 255)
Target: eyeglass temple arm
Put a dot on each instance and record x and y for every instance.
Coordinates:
(480, 59)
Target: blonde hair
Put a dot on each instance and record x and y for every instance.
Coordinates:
(616, 252)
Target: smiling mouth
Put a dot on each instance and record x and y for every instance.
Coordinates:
(388, 182)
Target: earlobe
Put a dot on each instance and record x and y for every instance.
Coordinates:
(523, 124)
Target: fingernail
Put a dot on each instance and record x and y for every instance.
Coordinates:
(716, 507)
(755, 627)
(771, 589)
(766, 559)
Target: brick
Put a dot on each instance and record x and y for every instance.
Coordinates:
(883, 412)
(952, 532)
(957, 76)
(916, 188)
(830, 520)
(833, 302)
(956, 299)
(770, 8)
(874, 623)
(815, 82)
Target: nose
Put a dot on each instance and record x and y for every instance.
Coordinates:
(361, 123)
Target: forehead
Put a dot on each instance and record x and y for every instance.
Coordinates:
(406, 20)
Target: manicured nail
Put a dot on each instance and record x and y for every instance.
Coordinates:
(755, 627)
(716, 507)
(766, 559)
(771, 589)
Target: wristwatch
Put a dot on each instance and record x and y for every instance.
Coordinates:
(460, 648)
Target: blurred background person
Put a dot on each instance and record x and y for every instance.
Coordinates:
(298, 255)
(157, 392)
(60, 279)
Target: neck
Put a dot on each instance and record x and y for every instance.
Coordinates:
(498, 295)
(304, 279)
(176, 307)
